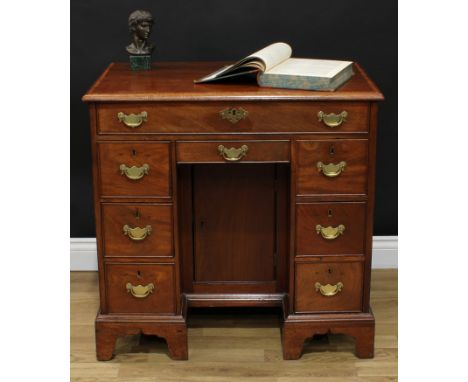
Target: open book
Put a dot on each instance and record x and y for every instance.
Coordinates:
(276, 68)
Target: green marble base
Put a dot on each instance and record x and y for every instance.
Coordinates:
(140, 62)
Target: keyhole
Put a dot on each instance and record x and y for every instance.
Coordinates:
(139, 274)
(330, 270)
(137, 214)
(331, 150)
(134, 152)
(330, 213)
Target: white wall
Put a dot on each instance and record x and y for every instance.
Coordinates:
(83, 253)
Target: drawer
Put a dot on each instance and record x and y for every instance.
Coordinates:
(219, 117)
(232, 151)
(330, 228)
(137, 230)
(134, 169)
(328, 287)
(140, 288)
(332, 166)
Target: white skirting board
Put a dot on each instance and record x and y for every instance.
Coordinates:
(83, 253)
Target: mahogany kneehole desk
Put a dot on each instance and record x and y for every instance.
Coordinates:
(231, 195)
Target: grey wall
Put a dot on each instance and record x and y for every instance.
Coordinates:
(363, 31)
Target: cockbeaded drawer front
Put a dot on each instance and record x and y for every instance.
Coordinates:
(140, 288)
(233, 117)
(142, 230)
(232, 151)
(330, 228)
(328, 287)
(335, 167)
(134, 169)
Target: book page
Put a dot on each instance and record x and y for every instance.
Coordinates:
(216, 74)
(309, 67)
(262, 60)
(273, 54)
(230, 71)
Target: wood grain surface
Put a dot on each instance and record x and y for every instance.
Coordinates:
(235, 346)
(158, 216)
(351, 215)
(161, 300)
(204, 118)
(353, 180)
(257, 151)
(241, 200)
(170, 81)
(156, 155)
(308, 299)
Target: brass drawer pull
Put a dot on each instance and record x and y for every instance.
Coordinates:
(329, 290)
(330, 233)
(132, 120)
(332, 119)
(137, 233)
(134, 172)
(140, 291)
(331, 170)
(232, 154)
(233, 114)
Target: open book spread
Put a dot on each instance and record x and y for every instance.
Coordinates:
(276, 68)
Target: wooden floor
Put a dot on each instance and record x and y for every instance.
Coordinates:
(233, 345)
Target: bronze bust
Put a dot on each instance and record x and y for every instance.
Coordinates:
(140, 23)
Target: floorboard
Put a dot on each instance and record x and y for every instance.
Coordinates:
(233, 345)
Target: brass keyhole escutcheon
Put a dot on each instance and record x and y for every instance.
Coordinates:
(233, 114)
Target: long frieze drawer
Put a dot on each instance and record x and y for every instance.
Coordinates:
(233, 117)
(328, 287)
(336, 166)
(134, 169)
(140, 288)
(142, 230)
(330, 228)
(232, 151)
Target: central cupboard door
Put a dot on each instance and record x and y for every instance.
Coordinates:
(234, 222)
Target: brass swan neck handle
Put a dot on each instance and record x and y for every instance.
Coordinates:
(232, 154)
(140, 291)
(330, 233)
(137, 233)
(132, 120)
(328, 290)
(331, 170)
(134, 172)
(332, 119)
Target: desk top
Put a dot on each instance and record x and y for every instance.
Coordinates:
(173, 81)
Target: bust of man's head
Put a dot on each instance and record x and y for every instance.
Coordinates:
(140, 24)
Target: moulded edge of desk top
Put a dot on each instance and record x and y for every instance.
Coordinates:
(220, 92)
